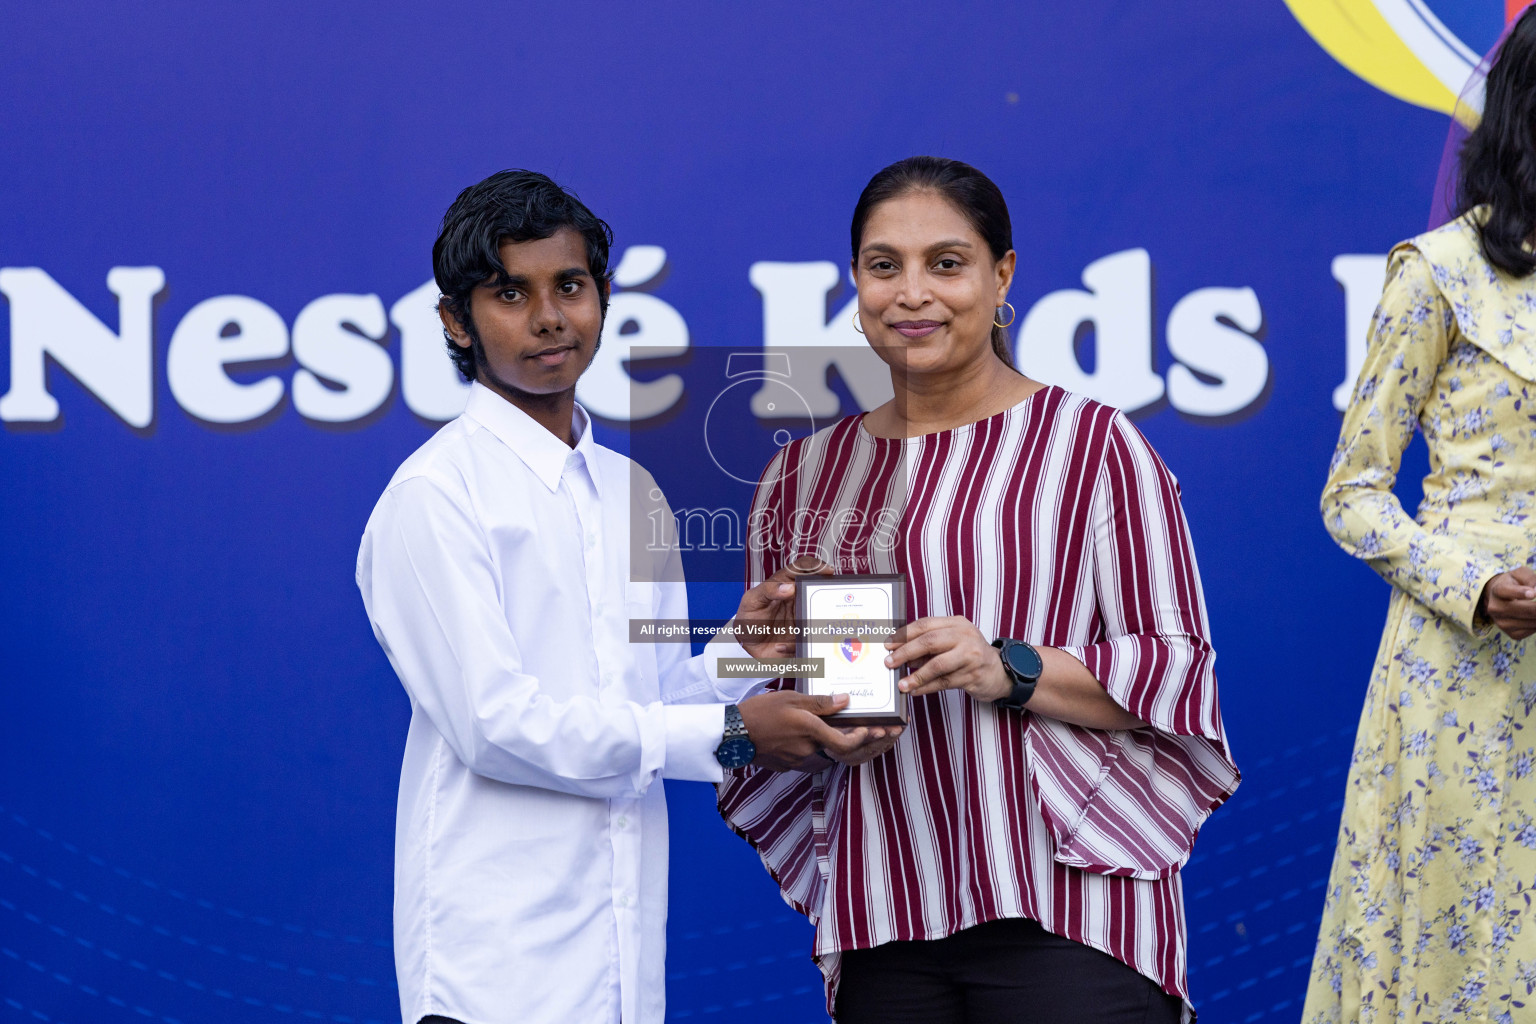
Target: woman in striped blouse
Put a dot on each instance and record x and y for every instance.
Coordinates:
(994, 862)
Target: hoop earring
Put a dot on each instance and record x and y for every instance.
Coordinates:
(856, 324)
(1012, 315)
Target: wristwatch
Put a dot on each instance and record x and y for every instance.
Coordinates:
(736, 750)
(1023, 665)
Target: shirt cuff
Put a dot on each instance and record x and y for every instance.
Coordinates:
(694, 732)
(725, 645)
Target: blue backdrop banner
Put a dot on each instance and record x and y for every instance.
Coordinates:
(215, 235)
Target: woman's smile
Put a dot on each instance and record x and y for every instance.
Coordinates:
(916, 328)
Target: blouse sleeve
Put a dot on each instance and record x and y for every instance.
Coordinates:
(1129, 802)
(1409, 339)
(777, 812)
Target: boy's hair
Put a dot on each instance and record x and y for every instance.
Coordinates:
(509, 206)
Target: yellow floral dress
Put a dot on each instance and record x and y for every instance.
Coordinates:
(1428, 914)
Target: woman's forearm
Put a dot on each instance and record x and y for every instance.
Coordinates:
(1068, 692)
(952, 654)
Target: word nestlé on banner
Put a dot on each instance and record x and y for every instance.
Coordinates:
(346, 373)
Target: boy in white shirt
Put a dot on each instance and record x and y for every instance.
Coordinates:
(531, 837)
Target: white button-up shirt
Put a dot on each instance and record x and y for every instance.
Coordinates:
(531, 834)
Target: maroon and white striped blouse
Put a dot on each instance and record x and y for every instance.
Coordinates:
(1053, 522)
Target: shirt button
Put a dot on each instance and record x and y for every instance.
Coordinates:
(623, 822)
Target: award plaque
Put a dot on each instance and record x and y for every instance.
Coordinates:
(844, 622)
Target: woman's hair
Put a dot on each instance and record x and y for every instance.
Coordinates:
(965, 188)
(509, 206)
(1498, 160)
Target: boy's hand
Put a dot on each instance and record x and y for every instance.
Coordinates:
(769, 610)
(878, 740)
(788, 731)
(763, 619)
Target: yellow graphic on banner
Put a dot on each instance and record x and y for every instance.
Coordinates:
(1399, 46)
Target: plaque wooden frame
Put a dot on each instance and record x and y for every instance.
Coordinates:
(896, 585)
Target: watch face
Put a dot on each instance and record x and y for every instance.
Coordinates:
(1023, 660)
(736, 752)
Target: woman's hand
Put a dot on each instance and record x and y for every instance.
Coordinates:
(949, 654)
(1509, 602)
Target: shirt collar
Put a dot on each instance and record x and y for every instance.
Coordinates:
(540, 450)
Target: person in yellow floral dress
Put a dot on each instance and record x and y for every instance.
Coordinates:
(1429, 909)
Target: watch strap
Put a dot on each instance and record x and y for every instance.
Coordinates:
(736, 749)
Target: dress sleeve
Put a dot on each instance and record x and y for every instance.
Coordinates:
(1409, 339)
(1129, 802)
(778, 812)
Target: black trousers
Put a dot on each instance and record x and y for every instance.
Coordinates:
(1010, 971)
